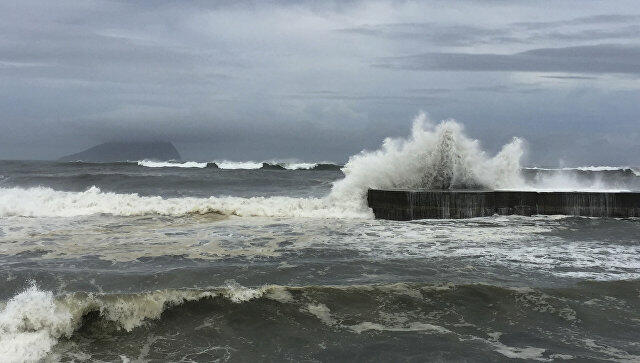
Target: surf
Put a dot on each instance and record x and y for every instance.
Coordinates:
(433, 156)
(47, 202)
(35, 320)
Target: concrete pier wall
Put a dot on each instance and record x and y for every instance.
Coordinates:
(401, 204)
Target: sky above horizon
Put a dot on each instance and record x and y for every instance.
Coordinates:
(320, 80)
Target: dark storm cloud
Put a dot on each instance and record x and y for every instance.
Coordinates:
(285, 78)
(604, 58)
(97, 57)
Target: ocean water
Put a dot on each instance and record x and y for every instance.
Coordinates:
(149, 261)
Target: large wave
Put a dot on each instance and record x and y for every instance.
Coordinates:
(33, 321)
(434, 157)
(46, 202)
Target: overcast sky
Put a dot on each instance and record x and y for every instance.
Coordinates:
(320, 80)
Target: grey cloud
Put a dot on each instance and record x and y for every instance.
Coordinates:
(515, 33)
(249, 78)
(330, 95)
(586, 20)
(627, 32)
(429, 91)
(512, 88)
(498, 88)
(569, 77)
(605, 58)
(438, 34)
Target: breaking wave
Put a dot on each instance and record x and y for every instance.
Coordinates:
(596, 179)
(171, 164)
(46, 202)
(223, 164)
(271, 164)
(240, 165)
(33, 321)
(624, 169)
(435, 157)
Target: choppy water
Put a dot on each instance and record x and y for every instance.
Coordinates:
(248, 265)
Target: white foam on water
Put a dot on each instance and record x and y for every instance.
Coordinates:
(226, 164)
(435, 157)
(584, 168)
(46, 202)
(634, 170)
(600, 168)
(615, 353)
(299, 166)
(33, 321)
(411, 327)
(30, 325)
(171, 164)
(565, 179)
(526, 353)
(323, 313)
(249, 165)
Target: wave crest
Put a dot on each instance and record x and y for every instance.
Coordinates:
(171, 164)
(33, 321)
(46, 202)
(240, 165)
(434, 157)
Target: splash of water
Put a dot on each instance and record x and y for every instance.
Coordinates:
(33, 321)
(435, 157)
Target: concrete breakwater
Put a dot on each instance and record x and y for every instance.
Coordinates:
(402, 204)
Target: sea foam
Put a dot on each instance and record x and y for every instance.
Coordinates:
(592, 168)
(46, 202)
(232, 165)
(171, 164)
(33, 321)
(434, 156)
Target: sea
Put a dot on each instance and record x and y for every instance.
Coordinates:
(147, 261)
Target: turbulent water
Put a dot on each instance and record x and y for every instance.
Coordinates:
(178, 261)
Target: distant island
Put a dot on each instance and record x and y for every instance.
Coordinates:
(126, 151)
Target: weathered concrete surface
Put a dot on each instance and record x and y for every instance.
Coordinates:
(401, 204)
